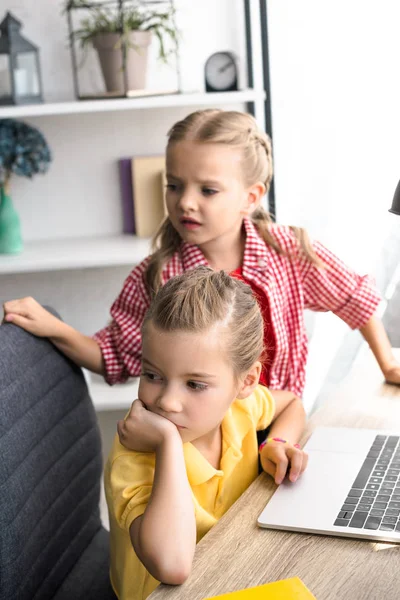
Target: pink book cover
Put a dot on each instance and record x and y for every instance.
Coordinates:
(125, 180)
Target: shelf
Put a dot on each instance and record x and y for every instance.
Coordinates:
(161, 101)
(116, 397)
(76, 253)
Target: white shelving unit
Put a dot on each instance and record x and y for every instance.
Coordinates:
(120, 250)
(145, 102)
(76, 253)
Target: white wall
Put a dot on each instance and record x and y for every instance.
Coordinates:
(336, 118)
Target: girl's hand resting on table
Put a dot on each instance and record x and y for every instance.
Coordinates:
(144, 431)
(279, 458)
(392, 374)
(31, 316)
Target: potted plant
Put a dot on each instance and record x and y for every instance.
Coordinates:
(23, 151)
(121, 36)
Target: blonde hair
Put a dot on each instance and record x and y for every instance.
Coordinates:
(201, 299)
(238, 130)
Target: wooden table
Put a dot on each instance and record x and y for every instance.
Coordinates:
(236, 554)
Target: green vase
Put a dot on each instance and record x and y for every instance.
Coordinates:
(10, 228)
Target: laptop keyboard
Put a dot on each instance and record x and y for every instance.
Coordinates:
(373, 502)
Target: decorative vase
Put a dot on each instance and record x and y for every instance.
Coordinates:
(108, 46)
(10, 228)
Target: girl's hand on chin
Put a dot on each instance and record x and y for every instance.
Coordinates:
(144, 431)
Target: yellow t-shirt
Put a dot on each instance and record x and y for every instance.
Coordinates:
(129, 477)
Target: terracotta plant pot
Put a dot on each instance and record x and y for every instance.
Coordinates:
(108, 46)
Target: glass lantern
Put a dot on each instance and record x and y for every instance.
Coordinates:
(20, 77)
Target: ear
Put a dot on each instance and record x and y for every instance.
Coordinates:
(250, 381)
(254, 196)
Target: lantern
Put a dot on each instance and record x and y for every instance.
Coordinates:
(20, 78)
(396, 201)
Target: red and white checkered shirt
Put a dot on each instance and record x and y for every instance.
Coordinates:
(290, 286)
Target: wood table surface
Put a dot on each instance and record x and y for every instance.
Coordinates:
(237, 554)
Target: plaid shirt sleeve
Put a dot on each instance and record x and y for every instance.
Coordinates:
(121, 341)
(337, 288)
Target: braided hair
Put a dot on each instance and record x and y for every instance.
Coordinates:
(238, 130)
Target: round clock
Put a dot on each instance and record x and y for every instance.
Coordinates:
(221, 72)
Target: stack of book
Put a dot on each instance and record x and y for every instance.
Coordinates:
(142, 182)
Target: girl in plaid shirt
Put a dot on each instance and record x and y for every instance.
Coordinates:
(219, 166)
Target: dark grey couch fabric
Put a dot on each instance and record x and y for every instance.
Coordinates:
(52, 543)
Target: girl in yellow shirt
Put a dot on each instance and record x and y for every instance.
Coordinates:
(189, 442)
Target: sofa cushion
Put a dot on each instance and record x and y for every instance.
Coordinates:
(50, 472)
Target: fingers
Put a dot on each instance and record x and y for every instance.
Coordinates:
(268, 466)
(276, 466)
(298, 463)
(19, 305)
(393, 376)
(123, 433)
(121, 430)
(123, 424)
(281, 467)
(20, 321)
(135, 407)
(17, 320)
(282, 457)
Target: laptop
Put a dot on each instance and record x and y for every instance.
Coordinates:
(351, 487)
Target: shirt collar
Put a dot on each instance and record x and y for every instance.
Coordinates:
(257, 255)
(234, 431)
(192, 256)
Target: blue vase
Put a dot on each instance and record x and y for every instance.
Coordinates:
(10, 228)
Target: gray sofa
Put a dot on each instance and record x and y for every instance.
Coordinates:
(52, 543)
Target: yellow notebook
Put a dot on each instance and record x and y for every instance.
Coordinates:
(286, 589)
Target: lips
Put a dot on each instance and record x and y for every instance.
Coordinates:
(188, 221)
(189, 224)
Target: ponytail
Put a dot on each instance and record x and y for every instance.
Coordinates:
(165, 243)
(263, 221)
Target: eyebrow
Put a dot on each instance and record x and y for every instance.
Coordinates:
(189, 375)
(202, 181)
(148, 362)
(201, 375)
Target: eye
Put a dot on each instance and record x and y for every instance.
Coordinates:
(152, 377)
(171, 187)
(196, 386)
(208, 191)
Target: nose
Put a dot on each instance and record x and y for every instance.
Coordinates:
(168, 401)
(187, 201)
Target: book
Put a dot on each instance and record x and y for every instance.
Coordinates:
(140, 93)
(148, 197)
(125, 182)
(286, 589)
